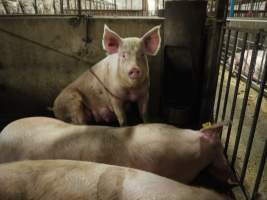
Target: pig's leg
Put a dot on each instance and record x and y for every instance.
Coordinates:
(119, 111)
(71, 108)
(142, 105)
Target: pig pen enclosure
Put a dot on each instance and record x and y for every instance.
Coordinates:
(241, 99)
(210, 68)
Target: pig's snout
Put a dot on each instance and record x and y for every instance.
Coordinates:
(135, 73)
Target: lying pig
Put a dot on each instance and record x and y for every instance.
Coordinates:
(163, 149)
(258, 70)
(100, 94)
(76, 180)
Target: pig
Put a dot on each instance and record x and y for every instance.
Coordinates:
(77, 180)
(258, 70)
(101, 93)
(179, 154)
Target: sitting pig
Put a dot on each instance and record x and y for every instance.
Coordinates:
(101, 92)
(76, 180)
(163, 149)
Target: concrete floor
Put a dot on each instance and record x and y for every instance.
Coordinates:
(260, 135)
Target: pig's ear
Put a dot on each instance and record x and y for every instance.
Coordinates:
(111, 41)
(152, 41)
(212, 133)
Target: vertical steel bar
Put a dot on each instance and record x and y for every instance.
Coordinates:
(68, 4)
(61, 6)
(218, 59)
(79, 8)
(245, 100)
(35, 6)
(238, 78)
(260, 172)
(229, 76)
(222, 75)
(254, 124)
(232, 4)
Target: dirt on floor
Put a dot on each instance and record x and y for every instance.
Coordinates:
(260, 133)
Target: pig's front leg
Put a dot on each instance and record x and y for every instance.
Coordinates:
(69, 107)
(118, 107)
(142, 105)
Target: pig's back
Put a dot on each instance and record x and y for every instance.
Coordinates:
(64, 179)
(37, 138)
(50, 179)
(164, 134)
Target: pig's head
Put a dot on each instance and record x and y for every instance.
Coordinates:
(210, 140)
(132, 54)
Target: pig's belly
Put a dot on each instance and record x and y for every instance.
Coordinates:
(102, 114)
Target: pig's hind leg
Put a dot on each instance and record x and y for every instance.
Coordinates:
(70, 108)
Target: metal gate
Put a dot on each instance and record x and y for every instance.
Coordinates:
(241, 100)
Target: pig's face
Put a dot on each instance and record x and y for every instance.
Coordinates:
(219, 165)
(132, 54)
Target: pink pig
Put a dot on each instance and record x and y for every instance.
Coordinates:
(101, 93)
(77, 180)
(259, 65)
(163, 149)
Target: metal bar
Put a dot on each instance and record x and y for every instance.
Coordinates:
(218, 62)
(35, 6)
(68, 4)
(254, 124)
(229, 76)
(222, 76)
(245, 100)
(244, 44)
(232, 4)
(61, 7)
(79, 8)
(260, 172)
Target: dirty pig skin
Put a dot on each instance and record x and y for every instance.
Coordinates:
(100, 94)
(163, 149)
(76, 180)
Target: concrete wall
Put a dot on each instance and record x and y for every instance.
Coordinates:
(39, 56)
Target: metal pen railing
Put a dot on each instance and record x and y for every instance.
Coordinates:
(78, 7)
(236, 39)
